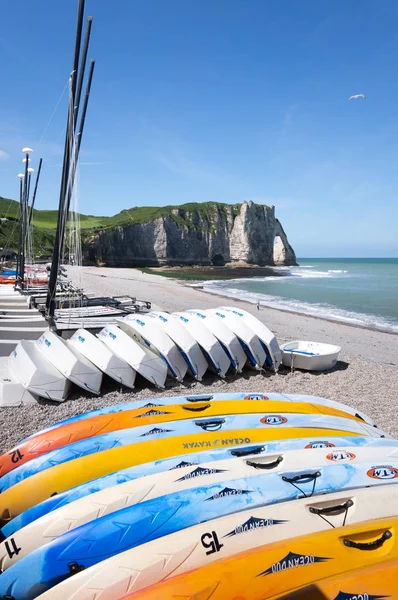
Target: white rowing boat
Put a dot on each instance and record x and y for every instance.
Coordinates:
(225, 336)
(215, 354)
(310, 356)
(72, 364)
(266, 337)
(37, 374)
(102, 357)
(248, 339)
(188, 347)
(146, 330)
(142, 360)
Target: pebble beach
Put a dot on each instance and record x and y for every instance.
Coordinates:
(366, 376)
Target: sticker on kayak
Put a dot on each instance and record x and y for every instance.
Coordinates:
(383, 472)
(200, 472)
(228, 492)
(252, 524)
(362, 596)
(337, 455)
(256, 397)
(293, 561)
(183, 464)
(152, 413)
(273, 420)
(155, 431)
(320, 444)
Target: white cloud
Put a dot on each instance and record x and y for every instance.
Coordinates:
(4, 155)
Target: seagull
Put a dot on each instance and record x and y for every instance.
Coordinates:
(357, 96)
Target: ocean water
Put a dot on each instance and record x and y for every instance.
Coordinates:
(360, 291)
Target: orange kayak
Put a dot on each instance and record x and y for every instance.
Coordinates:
(380, 581)
(276, 570)
(87, 428)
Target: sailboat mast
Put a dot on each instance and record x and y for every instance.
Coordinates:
(24, 214)
(35, 191)
(75, 115)
(52, 286)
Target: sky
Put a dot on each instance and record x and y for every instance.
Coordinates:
(216, 100)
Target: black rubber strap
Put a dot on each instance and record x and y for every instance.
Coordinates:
(265, 466)
(247, 451)
(195, 408)
(369, 545)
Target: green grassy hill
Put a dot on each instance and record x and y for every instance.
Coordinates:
(45, 221)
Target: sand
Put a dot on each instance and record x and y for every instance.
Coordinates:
(366, 376)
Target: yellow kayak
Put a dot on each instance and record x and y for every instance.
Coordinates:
(44, 484)
(281, 568)
(87, 428)
(369, 583)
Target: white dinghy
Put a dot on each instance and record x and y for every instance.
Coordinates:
(225, 336)
(145, 330)
(210, 346)
(142, 360)
(187, 345)
(102, 357)
(266, 337)
(310, 356)
(70, 362)
(248, 339)
(12, 392)
(37, 374)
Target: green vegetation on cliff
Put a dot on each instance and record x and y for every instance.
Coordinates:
(45, 221)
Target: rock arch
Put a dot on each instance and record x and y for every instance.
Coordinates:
(283, 252)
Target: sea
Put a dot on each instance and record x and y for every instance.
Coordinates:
(357, 291)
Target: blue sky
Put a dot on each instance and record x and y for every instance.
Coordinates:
(224, 100)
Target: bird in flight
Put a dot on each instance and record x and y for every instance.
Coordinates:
(357, 96)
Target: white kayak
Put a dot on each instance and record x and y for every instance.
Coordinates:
(215, 354)
(145, 330)
(310, 356)
(72, 364)
(142, 360)
(37, 374)
(188, 346)
(197, 546)
(225, 336)
(248, 339)
(131, 492)
(266, 337)
(102, 357)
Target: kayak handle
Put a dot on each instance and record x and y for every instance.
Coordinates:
(304, 477)
(330, 510)
(196, 408)
(247, 451)
(212, 425)
(369, 545)
(265, 466)
(199, 398)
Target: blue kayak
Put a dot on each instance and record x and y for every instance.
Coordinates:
(185, 460)
(109, 535)
(169, 400)
(124, 437)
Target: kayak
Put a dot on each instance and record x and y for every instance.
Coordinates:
(221, 538)
(88, 428)
(134, 491)
(250, 396)
(109, 535)
(62, 477)
(137, 435)
(368, 583)
(285, 566)
(335, 446)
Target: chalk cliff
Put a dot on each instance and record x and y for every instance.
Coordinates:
(200, 234)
